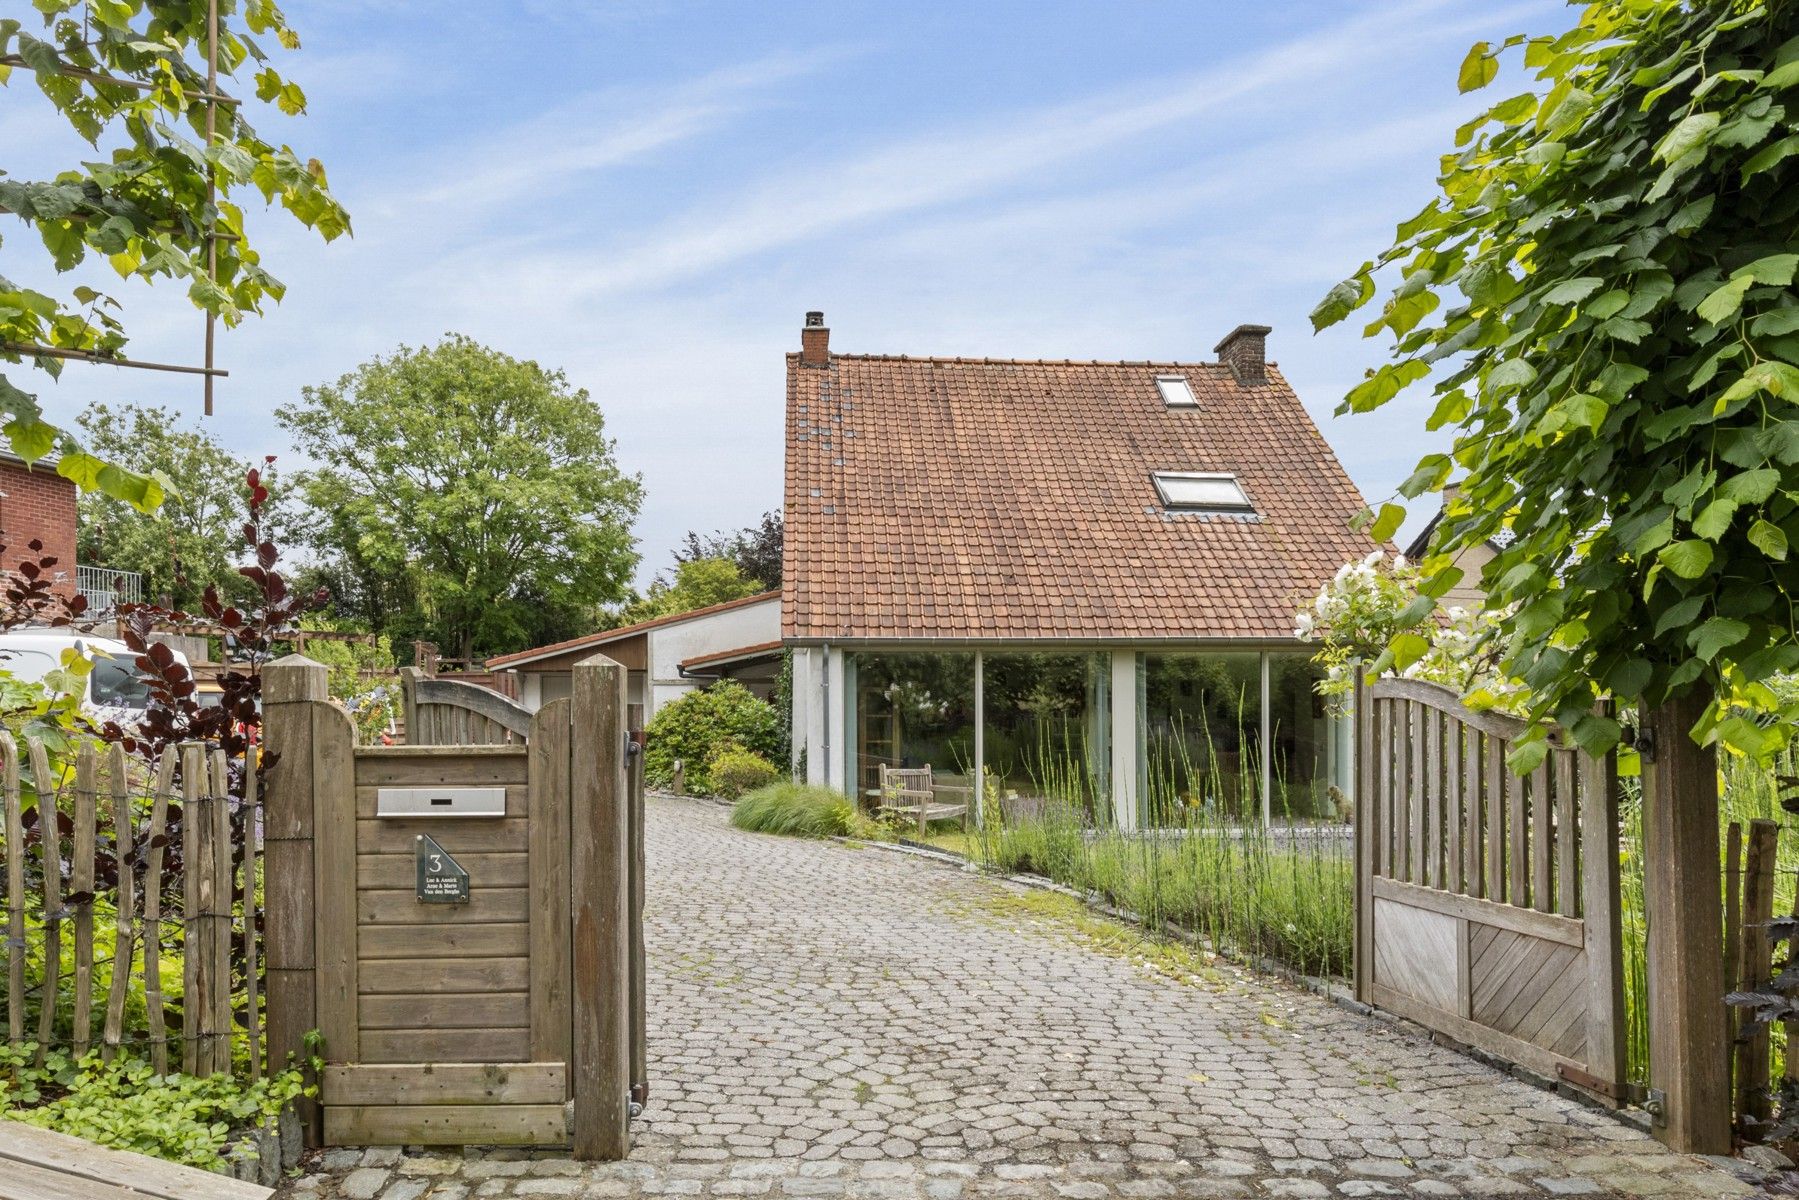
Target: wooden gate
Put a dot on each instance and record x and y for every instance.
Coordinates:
(1486, 902)
(457, 919)
(451, 712)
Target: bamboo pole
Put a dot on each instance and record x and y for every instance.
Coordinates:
(15, 893)
(50, 847)
(81, 888)
(159, 816)
(124, 852)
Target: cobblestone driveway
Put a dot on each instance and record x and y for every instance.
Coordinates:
(827, 1021)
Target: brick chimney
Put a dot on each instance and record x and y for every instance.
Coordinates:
(815, 342)
(1245, 351)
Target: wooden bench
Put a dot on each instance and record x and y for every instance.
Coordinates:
(36, 1164)
(909, 792)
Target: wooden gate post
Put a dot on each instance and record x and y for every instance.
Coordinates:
(290, 685)
(599, 880)
(1365, 813)
(1688, 1060)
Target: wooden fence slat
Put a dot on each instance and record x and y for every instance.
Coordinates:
(1602, 913)
(125, 928)
(1518, 821)
(1454, 817)
(196, 963)
(1567, 837)
(160, 795)
(1384, 735)
(1733, 923)
(1432, 788)
(1494, 799)
(1542, 830)
(1415, 801)
(81, 890)
(49, 829)
(1753, 965)
(15, 895)
(219, 914)
(1473, 876)
(252, 815)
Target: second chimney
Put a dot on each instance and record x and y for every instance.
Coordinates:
(1245, 351)
(815, 342)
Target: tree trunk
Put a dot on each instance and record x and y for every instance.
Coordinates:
(1688, 1032)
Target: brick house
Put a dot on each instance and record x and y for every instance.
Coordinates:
(36, 502)
(1062, 579)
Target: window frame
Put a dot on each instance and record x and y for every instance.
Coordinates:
(1169, 504)
(1185, 384)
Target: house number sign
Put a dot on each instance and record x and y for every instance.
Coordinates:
(441, 879)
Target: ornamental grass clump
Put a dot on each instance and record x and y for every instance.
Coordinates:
(795, 809)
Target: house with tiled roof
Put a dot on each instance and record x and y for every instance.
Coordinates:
(1062, 580)
(664, 658)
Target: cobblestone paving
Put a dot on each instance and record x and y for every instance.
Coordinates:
(828, 1021)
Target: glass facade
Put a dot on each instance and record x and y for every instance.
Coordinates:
(1047, 731)
(1231, 736)
(912, 709)
(1200, 737)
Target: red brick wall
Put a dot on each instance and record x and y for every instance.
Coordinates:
(37, 503)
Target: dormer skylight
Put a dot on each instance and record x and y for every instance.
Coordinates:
(1176, 391)
(1201, 491)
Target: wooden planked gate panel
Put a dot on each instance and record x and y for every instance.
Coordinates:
(1488, 902)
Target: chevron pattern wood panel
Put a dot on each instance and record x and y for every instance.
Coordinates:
(1529, 988)
(1417, 953)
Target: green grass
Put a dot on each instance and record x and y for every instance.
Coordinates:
(796, 810)
(1250, 892)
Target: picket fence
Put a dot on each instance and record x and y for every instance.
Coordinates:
(171, 855)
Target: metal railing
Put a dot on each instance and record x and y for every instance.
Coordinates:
(106, 588)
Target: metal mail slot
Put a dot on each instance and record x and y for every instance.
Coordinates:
(440, 802)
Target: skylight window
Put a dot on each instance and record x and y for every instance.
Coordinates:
(1176, 391)
(1201, 491)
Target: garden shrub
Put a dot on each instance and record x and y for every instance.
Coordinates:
(798, 809)
(735, 771)
(702, 724)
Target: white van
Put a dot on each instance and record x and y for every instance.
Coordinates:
(116, 688)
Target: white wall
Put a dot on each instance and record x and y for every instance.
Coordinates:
(673, 644)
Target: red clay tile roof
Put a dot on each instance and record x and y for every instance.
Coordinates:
(978, 498)
(612, 635)
(727, 656)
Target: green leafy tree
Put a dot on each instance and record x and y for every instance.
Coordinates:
(697, 583)
(1603, 296)
(756, 549)
(479, 489)
(190, 539)
(131, 80)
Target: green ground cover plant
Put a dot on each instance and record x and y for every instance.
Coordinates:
(125, 1104)
(735, 771)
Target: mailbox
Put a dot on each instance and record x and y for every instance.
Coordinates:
(440, 802)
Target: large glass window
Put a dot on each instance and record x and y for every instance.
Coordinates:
(1200, 751)
(1047, 735)
(1303, 737)
(913, 710)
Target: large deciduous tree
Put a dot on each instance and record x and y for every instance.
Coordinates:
(1603, 294)
(189, 540)
(697, 583)
(131, 80)
(473, 498)
(756, 549)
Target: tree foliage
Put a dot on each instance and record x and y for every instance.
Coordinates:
(699, 726)
(140, 202)
(756, 549)
(1604, 294)
(474, 497)
(697, 583)
(188, 540)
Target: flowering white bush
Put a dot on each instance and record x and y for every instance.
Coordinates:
(1358, 614)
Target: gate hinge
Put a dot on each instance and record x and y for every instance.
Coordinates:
(1590, 1082)
(1655, 1103)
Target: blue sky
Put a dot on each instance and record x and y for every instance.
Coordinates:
(650, 195)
